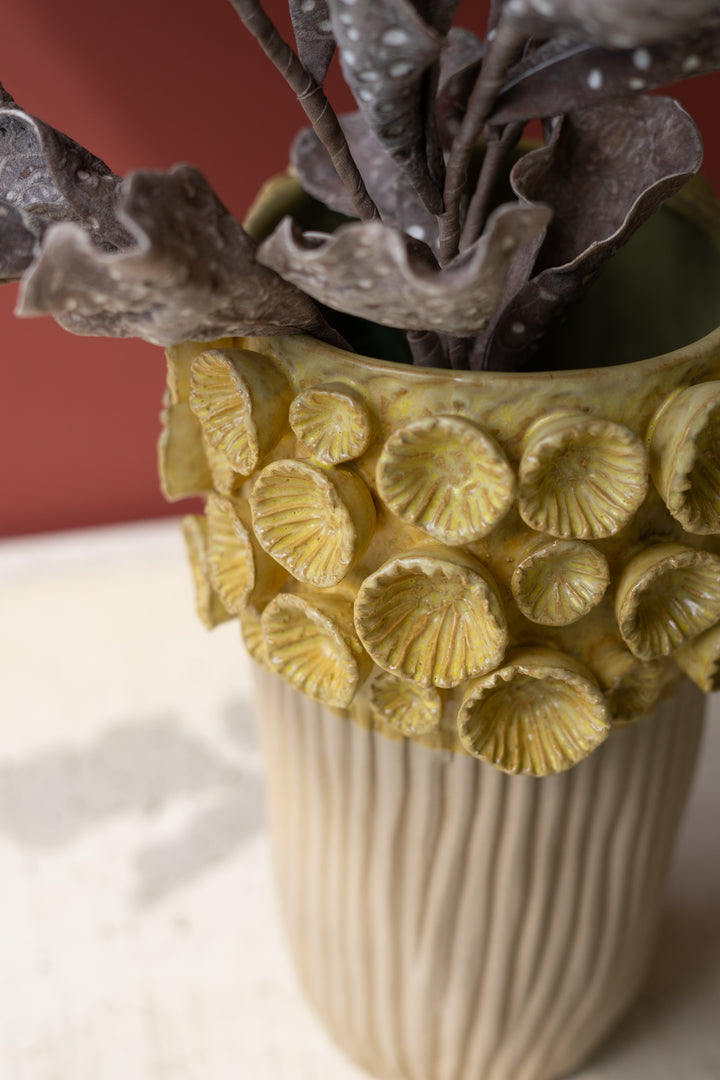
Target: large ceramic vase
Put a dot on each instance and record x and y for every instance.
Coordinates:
(473, 600)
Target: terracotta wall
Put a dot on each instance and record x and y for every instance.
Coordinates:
(140, 85)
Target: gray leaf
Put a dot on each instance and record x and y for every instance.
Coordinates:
(623, 24)
(313, 34)
(389, 188)
(45, 172)
(374, 272)
(386, 50)
(563, 75)
(20, 235)
(604, 173)
(459, 66)
(192, 273)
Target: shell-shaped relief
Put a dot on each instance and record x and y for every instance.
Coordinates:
(239, 569)
(225, 480)
(700, 659)
(539, 714)
(559, 581)
(252, 634)
(685, 457)
(433, 616)
(313, 645)
(409, 708)
(667, 595)
(581, 476)
(241, 400)
(447, 476)
(632, 687)
(332, 421)
(209, 606)
(182, 463)
(315, 521)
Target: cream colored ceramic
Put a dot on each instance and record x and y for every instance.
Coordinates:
(470, 570)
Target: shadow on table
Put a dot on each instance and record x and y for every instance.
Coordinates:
(139, 768)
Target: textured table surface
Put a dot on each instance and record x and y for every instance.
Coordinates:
(139, 935)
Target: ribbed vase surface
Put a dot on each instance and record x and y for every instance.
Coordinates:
(450, 922)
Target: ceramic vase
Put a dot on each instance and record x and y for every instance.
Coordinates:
(473, 600)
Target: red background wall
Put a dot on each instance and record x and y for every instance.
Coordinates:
(145, 84)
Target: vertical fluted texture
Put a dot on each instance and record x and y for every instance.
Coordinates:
(452, 923)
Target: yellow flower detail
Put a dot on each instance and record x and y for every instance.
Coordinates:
(580, 476)
(332, 421)
(241, 400)
(446, 475)
(412, 709)
(632, 687)
(238, 569)
(559, 581)
(314, 646)
(666, 595)
(315, 521)
(700, 659)
(540, 714)
(433, 616)
(252, 635)
(685, 457)
(210, 607)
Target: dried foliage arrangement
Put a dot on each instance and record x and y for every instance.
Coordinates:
(443, 228)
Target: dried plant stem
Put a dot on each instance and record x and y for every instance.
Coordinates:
(499, 146)
(427, 349)
(501, 51)
(313, 101)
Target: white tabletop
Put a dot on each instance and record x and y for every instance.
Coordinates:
(139, 936)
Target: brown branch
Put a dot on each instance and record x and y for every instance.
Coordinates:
(501, 51)
(427, 348)
(312, 99)
(498, 149)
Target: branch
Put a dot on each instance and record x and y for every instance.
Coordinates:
(501, 51)
(496, 154)
(312, 99)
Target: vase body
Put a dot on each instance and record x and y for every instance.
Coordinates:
(449, 922)
(448, 579)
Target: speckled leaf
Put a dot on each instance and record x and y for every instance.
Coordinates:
(386, 50)
(564, 75)
(192, 273)
(620, 23)
(459, 66)
(313, 34)
(389, 188)
(46, 173)
(376, 273)
(20, 235)
(604, 173)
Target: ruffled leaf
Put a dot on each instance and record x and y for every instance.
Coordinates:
(389, 188)
(48, 174)
(564, 74)
(385, 51)
(191, 274)
(374, 272)
(620, 23)
(605, 171)
(20, 235)
(313, 35)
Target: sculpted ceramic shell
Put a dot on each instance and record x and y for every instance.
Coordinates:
(559, 581)
(448, 476)
(581, 476)
(433, 616)
(332, 421)
(540, 713)
(239, 569)
(666, 595)
(411, 709)
(685, 457)
(313, 645)
(316, 522)
(241, 401)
